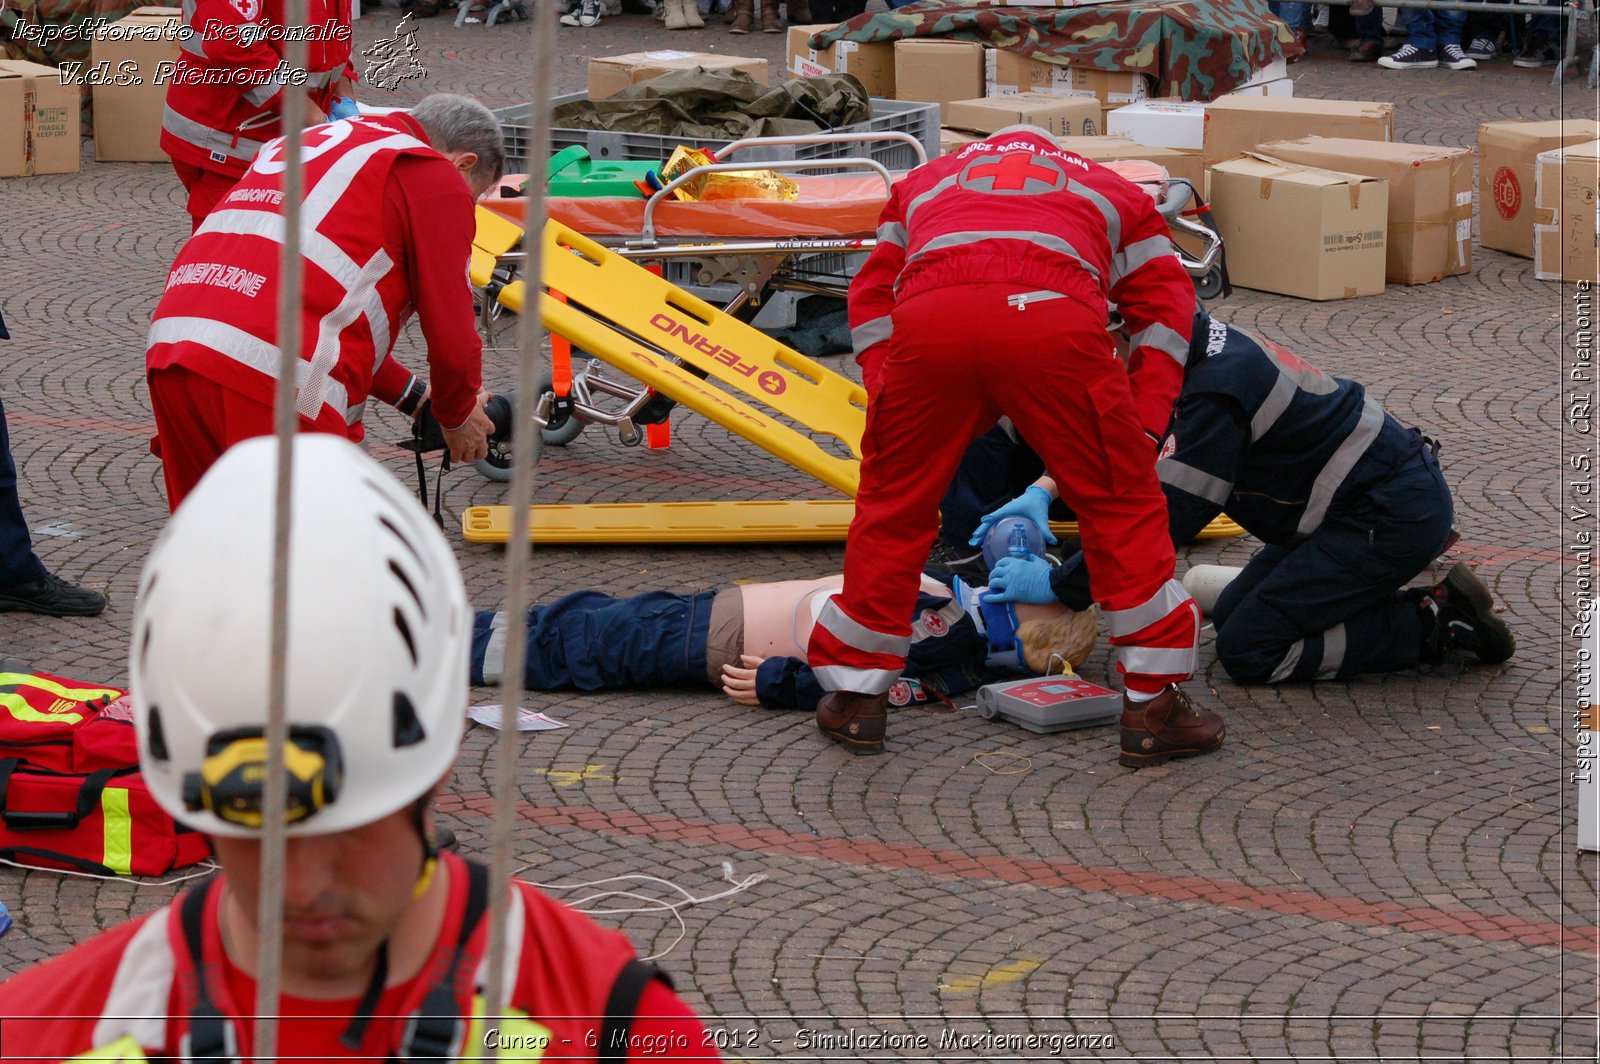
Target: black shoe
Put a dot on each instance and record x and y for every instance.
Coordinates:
(1459, 615)
(1539, 51)
(946, 560)
(53, 597)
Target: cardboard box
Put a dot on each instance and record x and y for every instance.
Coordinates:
(1237, 124)
(1113, 88)
(1566, 224)
(1008, 73)
(1282, 87)
(870, 64)
(1106, 149)
(1430, 198)
(953, 140)
(127, 117)
(613, 73)
(39, 120)
(1063, 116)
(937, 71)
(1161, 123)
(1301, 231)
(1506, 152)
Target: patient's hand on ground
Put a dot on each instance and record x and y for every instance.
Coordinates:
(739, 681)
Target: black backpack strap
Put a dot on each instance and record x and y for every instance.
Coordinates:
(60, 820)
(211, 1036)
(430, 1034)
(623, 1004)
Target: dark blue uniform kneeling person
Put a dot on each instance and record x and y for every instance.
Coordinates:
(1350, 504)
(750, 640)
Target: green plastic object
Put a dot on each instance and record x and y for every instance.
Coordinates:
(573, 173)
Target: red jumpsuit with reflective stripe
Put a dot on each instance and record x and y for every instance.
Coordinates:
(386, 229)
(224, 96)
(986, 295)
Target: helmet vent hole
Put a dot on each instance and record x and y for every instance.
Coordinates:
(407, 728)
(400, 574)
(144, 649)
(383, 519)
(405, 633)
(158, 739)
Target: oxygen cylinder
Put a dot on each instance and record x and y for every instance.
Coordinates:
(1205, 583)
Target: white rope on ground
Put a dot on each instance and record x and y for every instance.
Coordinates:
(651, 905)
(275, 794)
(519, 549)
(205, 868)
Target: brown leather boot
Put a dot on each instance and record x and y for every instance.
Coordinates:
(743, 16)
(856, 721)
(769, 17)
(1166, 727)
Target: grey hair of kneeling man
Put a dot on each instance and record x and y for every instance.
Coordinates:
(460, 123)
(1023, 127)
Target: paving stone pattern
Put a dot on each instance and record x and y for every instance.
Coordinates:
(1382, 869)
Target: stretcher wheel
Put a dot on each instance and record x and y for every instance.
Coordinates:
(562, 430)
(1209, 284)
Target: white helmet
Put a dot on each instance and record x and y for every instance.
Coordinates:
(378, 644)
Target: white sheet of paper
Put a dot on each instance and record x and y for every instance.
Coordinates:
(527, 719)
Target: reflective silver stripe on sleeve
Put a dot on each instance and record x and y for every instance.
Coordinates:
(943, 186)
(1170, 597)
(861, 681)
(1196, 482)
(871, 332)
(1272, 407)
(319, 79)
(260, 94)
(1163, 339)
(206, 139)
(1105, 207)
(858, 636)
(1157, 661)
(494, 652)
(1333, 642)
(191, 42)
(1339, 465)
(1290, 660)
(1048, 241)
(1138, 254)
(892, 233)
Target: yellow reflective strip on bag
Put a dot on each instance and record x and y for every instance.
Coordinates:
(514, 1035)
(19, 708)
(118, 830)
(123, 1049)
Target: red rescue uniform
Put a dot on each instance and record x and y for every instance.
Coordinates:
(225, 95)
(135, 981)
(986, 295)
(387, 230)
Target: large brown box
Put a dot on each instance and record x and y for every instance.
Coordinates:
(127, 116)
(937, 71)
(1235, 125)
(1566, 223)
(612, 73)
(39, 120)
(1506, 151)
(1062, 116)
(1301, 231)
(1430, 198)
(870, 64)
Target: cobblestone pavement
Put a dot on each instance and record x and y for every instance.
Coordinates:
(1384, 868)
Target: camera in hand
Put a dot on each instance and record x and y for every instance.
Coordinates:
(427, 435)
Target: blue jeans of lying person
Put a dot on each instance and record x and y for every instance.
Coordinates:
(1330, 607)
(589, 641)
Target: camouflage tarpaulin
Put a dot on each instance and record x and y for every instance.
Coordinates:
(701, 104)
(1195, 49)
(67, 39)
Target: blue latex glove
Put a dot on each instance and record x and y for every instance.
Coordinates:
(1021, 580)
(343, 107)
(1034, 504)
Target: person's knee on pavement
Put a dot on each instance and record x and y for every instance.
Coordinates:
(1243, 661)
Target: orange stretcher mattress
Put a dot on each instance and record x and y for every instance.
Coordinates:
(842, 206)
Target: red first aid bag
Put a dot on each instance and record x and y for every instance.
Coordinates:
(71, 795)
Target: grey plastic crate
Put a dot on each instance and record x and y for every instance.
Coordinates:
(921, 120)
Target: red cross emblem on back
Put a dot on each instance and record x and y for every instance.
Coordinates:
(1015, 171)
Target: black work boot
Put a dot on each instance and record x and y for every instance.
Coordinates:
(1166, 727)
(946, 559)
(1458, 614)
(53, 597)
(856, 721)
